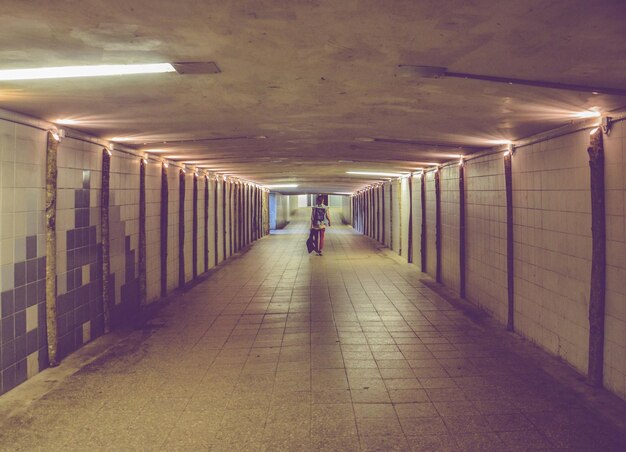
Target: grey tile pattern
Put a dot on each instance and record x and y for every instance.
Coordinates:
(280, 350)
(28, 290)
(81, 301)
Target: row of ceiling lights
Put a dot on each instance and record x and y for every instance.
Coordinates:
(403, 70)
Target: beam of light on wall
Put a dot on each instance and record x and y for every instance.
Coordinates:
(373, 173)
(84, 71)
(281, 186)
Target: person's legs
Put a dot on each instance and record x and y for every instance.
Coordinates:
(316, 240)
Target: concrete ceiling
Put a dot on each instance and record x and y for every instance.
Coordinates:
(306, 84)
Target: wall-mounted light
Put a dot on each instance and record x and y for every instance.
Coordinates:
(592, 113)
(67, 122)
(57, 134)
(145, 160)
(165, 164)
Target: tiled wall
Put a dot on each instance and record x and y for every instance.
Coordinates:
(220, 220)
(387, 209)
(153, 231)
(485, 235)
(188, 226)
(212, 213)
(201, 222)
(431, 225)
(552, 242)
(552, 236)
(22, 254)
(396, 225)
(615, 344)
(124, 233)
(79, 254)
(23, 340)
(417, 221)
(450, 226)
(404, 217)
(173, 185)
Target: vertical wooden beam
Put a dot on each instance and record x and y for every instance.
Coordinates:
(216, 223)
(382, 208)
(368, 204)
(438, 231)
(224, 217)
(106, 240)
(141, 259)
(410, 228)
(194, 231)
(254, 214)
(510, 271)
(423, 228)
(230, 217)
(597, 295)
(240, 214)
(248, 215)
(378, 228)
(181, 229)
(462, 230)
(206, 223)
(371, 212)
(391, 215)
(51, 247)
(164, 225)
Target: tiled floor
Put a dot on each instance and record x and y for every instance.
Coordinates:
(280, 350)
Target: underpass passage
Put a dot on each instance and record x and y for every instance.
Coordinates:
(282, 350)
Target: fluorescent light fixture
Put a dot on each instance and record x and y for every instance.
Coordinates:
(84, 71)
(437, 72)
(373, 173)
(281, 186)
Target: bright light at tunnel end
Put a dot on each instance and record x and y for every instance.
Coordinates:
(281, 186)
(373, 173)
(84, 71)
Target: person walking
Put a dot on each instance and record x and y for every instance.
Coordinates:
(319, 217)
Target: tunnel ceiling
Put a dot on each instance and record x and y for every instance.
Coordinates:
(310, 89)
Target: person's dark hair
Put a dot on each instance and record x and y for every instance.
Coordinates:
(319, 198)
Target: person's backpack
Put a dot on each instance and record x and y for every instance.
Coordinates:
(318, 214)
